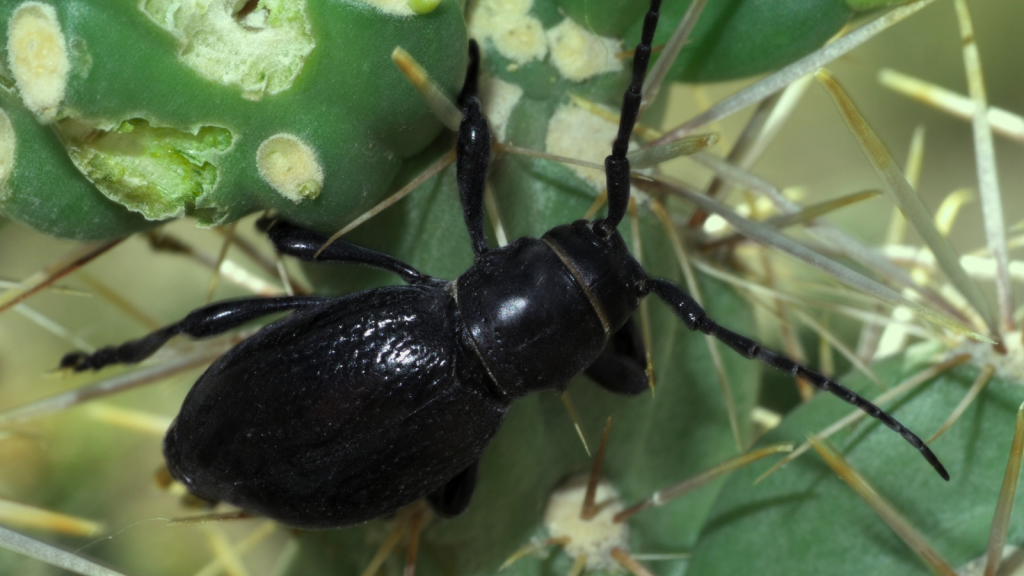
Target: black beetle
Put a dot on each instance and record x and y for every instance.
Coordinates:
(355, 406)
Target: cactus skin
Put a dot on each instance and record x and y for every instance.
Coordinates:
(739, 38)
(733, 38)
(52, 196)
(348, 104)
(827, 528)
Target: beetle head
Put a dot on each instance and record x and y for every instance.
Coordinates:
(614, 281)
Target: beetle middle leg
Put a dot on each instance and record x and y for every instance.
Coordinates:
(622, 366)
(206, 321)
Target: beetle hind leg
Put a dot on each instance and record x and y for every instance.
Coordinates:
(453, 498)
(622, 366)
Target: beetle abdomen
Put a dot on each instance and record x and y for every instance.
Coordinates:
(338, 414)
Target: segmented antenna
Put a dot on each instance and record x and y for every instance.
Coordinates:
(616, 166)
(471, 85)
(695, 318)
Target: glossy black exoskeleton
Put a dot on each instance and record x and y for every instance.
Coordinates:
(353, 407)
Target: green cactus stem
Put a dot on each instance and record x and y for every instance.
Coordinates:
(217, 109)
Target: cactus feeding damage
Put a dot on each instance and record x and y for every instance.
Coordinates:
(259, 47)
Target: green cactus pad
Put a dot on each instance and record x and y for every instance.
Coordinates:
(317, 74)
(208, 87)
(732, 38)
(739, 38)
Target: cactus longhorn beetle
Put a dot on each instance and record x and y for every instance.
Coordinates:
(355, 406)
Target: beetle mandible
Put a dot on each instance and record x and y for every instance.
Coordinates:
(355, 406)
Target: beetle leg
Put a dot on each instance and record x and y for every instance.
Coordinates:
(206, 321)
(622, 366)
(304, 244)
(695, 318)
(453, 498)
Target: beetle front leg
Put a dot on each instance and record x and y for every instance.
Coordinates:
(453, 498)
(207, 321)
(309, 246)
(622, 366)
